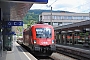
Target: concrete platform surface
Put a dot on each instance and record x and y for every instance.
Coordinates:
(17, 53)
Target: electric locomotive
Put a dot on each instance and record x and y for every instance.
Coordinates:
(40, 38)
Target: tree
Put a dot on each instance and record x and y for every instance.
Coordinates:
(31, 22)
(19, 29)
(30, 16)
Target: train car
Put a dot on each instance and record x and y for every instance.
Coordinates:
(40, 38)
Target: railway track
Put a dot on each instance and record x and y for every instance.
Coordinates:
(38, 57)
(69, 54)
(76, 53)
(54, 56)
(44, 58)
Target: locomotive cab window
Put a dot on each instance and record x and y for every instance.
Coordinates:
(43, 33)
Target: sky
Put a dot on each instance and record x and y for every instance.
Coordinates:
(78, 6)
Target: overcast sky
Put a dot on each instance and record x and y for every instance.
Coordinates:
(79, 6)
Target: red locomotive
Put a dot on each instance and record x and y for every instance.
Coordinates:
(40, 38)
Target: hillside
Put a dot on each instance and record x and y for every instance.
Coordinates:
(38, 11)
(34, 15)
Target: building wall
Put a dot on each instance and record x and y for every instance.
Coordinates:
(63, 18)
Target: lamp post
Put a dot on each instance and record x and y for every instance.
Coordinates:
(1, 42)
(50, 14)
(89, 15)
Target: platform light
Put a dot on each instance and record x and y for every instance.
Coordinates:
(69, 31)
(87, 29)
(63, 31)
(1, 30)
(77, 30)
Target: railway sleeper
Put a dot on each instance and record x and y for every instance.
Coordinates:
(79, 54)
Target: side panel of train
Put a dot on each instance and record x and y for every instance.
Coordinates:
(40, 38)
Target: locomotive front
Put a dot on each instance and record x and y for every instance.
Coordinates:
(44, 38)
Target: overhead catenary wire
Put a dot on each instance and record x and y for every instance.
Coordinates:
(51, 4)
(86, 10)
(81, 6)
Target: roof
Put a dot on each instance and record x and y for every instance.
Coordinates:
(79, 25)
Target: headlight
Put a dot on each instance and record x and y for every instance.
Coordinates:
(34, 41)
(53, 41)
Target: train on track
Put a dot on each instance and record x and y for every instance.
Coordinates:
(40, 39)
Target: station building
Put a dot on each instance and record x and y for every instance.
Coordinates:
(62, 18)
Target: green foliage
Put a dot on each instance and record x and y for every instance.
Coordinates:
(31, 22)
(30, 16)
(87, 33)
(84, 34)
(19, 28)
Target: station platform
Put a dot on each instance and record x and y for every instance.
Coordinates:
(17, 53)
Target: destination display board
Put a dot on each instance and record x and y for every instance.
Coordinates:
(9, 24)
(12, 23)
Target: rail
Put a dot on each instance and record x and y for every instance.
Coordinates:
(78, 53)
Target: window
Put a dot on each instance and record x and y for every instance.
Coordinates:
(75, 18)
(61, 17)
(66, 23)
(57, 17)
(45, 17)
(79, 17)
(86, 17)
(43, 33)
(48, 17)
(53, 17)
(64, 17)
(46, 23)
(55, 24)
(70, 17)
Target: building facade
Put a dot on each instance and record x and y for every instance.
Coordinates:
(62, 18)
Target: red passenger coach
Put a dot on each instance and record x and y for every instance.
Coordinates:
(40, 38)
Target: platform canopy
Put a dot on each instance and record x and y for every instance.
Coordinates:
(19, 8)
(79, 26)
